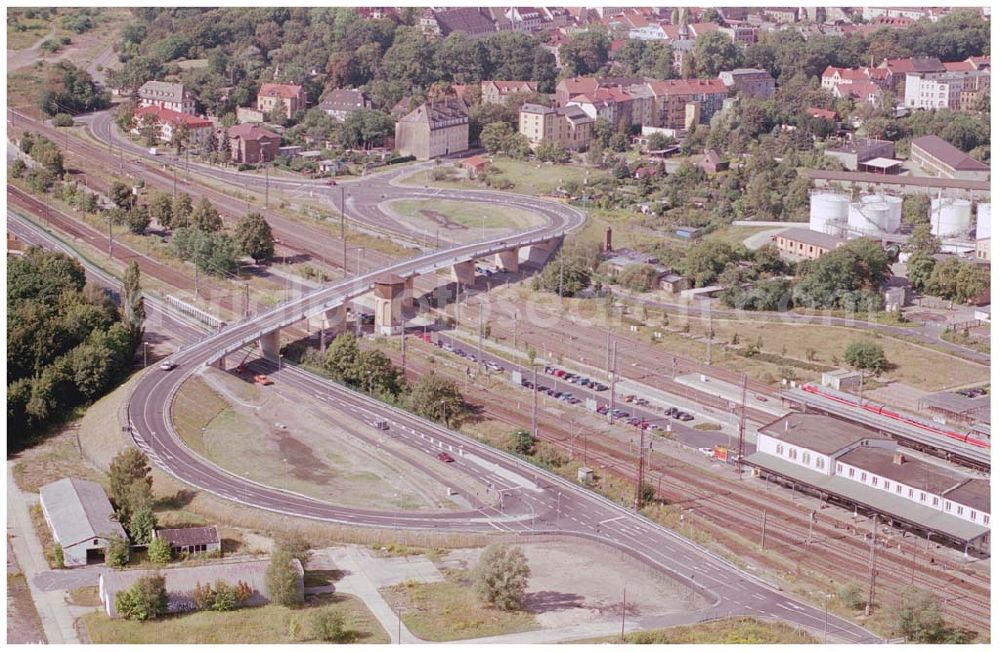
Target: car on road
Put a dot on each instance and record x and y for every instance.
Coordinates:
(331, 182)
(527, 384)
(619, 414)
(262, 379)
(641, 401)
(600, 387)
(684, 416)
(707, 452)
(167, 365)
(445, 457)
(550, 369)
(381, 424)
(630, 398)
(671, 412)
(603, 409)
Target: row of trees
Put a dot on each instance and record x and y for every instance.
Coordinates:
(370, 370)
(67, 343)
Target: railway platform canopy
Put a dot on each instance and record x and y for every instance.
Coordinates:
(912, 515)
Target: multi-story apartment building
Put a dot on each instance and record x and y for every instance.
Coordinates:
(290, 97)
(680, 103)
(167, 95)
(566, 126)
(495, 91)
(749, 82)
(933, 91)
(433, 129)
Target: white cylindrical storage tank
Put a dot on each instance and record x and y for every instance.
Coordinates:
(826, 209)
(982, 221)
(950, 217)
(895, 213)
(868, 218)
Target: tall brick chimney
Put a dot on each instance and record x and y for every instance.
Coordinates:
(607, 239)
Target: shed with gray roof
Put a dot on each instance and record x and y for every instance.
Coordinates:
(81, 519)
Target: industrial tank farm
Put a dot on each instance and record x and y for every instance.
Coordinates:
(828, 212)
(951, 217)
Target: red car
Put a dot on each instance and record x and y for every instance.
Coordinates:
(331, 182)
(445, 457)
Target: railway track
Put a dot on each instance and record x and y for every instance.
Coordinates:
(831, 548)
(86, 155)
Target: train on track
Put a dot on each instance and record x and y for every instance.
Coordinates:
(969, 438)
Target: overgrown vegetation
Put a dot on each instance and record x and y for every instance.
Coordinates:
(66, 343)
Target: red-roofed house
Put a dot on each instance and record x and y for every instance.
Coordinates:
(573, 86)
(169, 121)
(290, 96)
(495, 91)
(833, 76)
(825, 114)
(475, 165)
(249, 143)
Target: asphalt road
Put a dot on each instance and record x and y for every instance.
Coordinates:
(533, 500)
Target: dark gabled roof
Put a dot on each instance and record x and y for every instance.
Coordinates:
(344, 99)
(912, 472)
(438, 111)
(974, 493)
(948, 154)
(189, 536)
(469, 20)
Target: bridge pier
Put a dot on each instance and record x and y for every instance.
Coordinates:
(269, 344)
(539, 253)
(389, 291)
(508, 260)
(464, 272)
(409, 298)
(221, 363)
(335, 320)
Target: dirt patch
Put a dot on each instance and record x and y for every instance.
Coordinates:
(926, 316)
(300, 457)
(441, 220)
(564, 590)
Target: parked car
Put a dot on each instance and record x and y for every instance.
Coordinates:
(670, 412)
(528, 384)
(630, 398)
(602, 409)
(550, 369)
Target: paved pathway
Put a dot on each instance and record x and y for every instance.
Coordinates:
(57, 619)
(358, 582)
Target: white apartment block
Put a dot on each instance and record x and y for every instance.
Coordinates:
(933, 91)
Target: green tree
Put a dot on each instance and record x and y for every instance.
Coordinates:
(958, 281)
(131, 482)
(585, 53)
(918, 618)
(640, 278)
(294, 544)
(919, 269)
(330, 625)
(58, 555)
(161, 209)
(181, 211)
(282, 579)
(342, 357)
(145, 600)
(141, 526)
(916, 209)
(864, 354)
(522, 442)
(437, 399)
(137, 219)
(921, 240)
(62, 120)
(254, 236)
(205, 217)
(715, 52)
(501, 576)
(159, 551)
(121, 195)
(116, 552)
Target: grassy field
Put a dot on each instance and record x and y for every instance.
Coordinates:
(735, 235)
(24, 87)
(44, 534)
(270, 624)
(199, 405)
(58, 457)
(722, 632)
(911, 364)
(528, 177)
(463, 219)
(23, 32)
(84, 596)
(451, 610)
